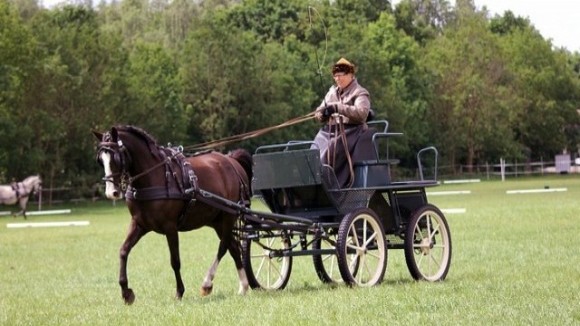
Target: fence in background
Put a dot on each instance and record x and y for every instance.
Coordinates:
(499, 171)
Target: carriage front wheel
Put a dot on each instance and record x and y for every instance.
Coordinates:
(264, 261)
(326, 264)
(361, 248)
(428, 244)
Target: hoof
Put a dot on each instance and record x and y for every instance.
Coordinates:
(128, 296)
(205, 291)
(243, 290)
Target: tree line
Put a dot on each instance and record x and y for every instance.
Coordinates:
(477, 87)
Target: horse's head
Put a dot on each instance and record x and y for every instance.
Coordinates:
(33, 184)
(36, 185)
(113, 156)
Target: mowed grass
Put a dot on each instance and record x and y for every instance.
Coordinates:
(516, 260)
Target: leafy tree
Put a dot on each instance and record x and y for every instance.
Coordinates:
(16, 59)
(235, 84)
(424, 20)
(473, 108)
(270, 19)
(394, 79)
(508, 23)
(69, 81)
(154, 89)
(363, 11)
(548, 93)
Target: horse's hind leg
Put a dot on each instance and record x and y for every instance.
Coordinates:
(207, 285)
(236, 253)
(135, 233)
(227, 243)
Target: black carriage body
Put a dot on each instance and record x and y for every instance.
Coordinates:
(311, 215)
(291, 180)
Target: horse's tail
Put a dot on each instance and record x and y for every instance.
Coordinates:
(245, 159)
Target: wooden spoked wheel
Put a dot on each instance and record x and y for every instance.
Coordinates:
(326, 264)
(361, 248)
(264, 261)
(428, 244)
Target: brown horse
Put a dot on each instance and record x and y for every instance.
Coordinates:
(163, 195)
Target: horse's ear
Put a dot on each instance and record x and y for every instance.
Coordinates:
(114, 134)
(98, 135)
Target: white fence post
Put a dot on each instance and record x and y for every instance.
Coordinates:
(502, 168)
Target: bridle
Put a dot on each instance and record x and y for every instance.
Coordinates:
(122, 159)
(36, 187)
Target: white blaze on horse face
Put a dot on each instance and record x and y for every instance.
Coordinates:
(111, 190)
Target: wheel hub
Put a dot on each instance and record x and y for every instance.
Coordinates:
(426, 246)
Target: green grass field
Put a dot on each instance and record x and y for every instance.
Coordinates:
(516, 261)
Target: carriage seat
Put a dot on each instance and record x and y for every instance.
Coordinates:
(370, 170)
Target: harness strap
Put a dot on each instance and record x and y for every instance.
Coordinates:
(244, 189)
(16, 188)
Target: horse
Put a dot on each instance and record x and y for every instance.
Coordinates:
(19, 193)
(163, 195)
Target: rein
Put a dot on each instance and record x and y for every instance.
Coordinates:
(247, 135)
(339, 131)
(163, 162)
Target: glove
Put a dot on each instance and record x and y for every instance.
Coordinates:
(329, 110)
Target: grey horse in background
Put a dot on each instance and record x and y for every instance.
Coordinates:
(19, 193)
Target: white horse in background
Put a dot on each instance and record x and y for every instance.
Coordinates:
(19, 192)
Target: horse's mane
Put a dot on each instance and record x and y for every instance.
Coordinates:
(143, 135)
(31, 177)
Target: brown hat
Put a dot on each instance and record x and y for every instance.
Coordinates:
(343, 65)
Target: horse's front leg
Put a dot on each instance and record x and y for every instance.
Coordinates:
(22, 210)
(23, 203)
(23, 213)
(173, 243)
(133, 235)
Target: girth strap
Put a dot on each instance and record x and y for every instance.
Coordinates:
(155, 193)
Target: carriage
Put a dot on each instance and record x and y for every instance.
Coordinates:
(347, 231)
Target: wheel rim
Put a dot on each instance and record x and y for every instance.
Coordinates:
(431, 246)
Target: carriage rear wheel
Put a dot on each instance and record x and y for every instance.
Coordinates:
(361, 248)
(262, 256)
(428, 244)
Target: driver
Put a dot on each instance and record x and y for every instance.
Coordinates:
(348, 104)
